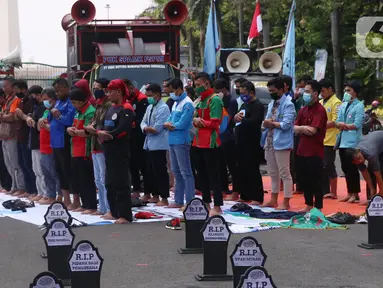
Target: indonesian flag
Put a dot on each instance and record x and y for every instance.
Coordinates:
(256, 24)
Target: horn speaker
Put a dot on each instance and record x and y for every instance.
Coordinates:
(66, 21)
(176, 12)
(234, 60)
(13, 58)
(270, 62)
(83, 12)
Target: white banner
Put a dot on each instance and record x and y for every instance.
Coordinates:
(320, 64)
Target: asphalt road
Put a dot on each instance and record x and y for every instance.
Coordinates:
(145, 255)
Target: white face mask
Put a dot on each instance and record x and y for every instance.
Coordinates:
(220, 95)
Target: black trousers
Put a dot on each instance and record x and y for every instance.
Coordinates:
(329, 171)
(311, 169)
(296, 175)
(62, 159)
(208, 169)
(229, 161)
(5, 178)
(350, 171)
(157, 172)
(117, 183)
(194, 164)
(137, 162)
(249, 179)
(82, 181)
(373, 177)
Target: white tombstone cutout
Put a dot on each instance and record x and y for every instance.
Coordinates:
(56, 211)
(84, 259)
(46, 282)
(249, 254)
(376, 207)
(216, 230)
(256, 278)
(196, 210)
(59, 235)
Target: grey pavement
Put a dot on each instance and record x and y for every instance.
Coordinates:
(145, 255)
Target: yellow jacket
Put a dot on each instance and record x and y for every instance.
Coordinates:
(332, 108)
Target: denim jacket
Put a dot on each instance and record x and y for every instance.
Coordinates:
(155, 117)
(354, 114)
(283, 138)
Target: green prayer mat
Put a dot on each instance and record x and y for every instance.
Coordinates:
(311, 220)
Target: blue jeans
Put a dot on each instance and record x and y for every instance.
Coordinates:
(99, 167)
(181, 168)
(25, 163)
(52, 182)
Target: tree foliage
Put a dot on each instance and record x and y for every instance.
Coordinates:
(313, 31)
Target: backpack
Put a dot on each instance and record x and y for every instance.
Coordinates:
(225, 118)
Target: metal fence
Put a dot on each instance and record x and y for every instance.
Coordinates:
(39, 73)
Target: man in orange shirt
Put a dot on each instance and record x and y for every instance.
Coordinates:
(8, 135)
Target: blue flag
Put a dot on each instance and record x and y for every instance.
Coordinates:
(212, 43)
(289, 53)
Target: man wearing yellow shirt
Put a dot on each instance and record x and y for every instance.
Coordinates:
(331, 103)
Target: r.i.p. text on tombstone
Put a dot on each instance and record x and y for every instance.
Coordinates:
(85, 264)
(57, 210)
(256, 277)
(216, 235)
(374, 213)
(46, 280)
(247, 253)
(59, 240)
(195, 215)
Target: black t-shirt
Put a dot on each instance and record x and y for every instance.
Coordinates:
(170, 103)
(22, 130)
(248, 133)
(34, 135)
(372, 149)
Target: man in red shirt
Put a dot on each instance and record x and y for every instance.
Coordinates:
(311, 126)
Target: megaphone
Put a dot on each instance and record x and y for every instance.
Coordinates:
(66, 21)
(176, 12)
(83, 12)
(13, 58)
(270, 62)
(238, 62)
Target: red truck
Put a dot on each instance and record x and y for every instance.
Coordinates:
(141, 50)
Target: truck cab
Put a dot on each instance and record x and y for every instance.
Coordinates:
(141, 51)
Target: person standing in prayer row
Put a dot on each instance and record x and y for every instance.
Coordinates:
(156, 145)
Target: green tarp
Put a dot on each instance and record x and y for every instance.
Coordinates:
(311, 220)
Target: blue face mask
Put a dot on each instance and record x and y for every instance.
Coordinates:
(47, 104)
(346, 97)
(173, 96)
(307, 97)
(245, 97)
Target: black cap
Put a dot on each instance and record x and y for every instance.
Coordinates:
(77, 94)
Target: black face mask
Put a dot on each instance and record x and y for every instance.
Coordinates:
(34, 101)
(238, 92)
(20, 95)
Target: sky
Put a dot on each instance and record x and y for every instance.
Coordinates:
(42, 38)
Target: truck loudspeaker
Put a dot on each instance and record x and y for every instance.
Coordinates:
(237, 61)
(66, 21)
(83, 12)
(270, 62)
(176, 12)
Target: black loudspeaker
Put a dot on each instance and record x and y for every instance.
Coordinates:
(236, 60)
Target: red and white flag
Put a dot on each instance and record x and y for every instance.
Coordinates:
(256, 24)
